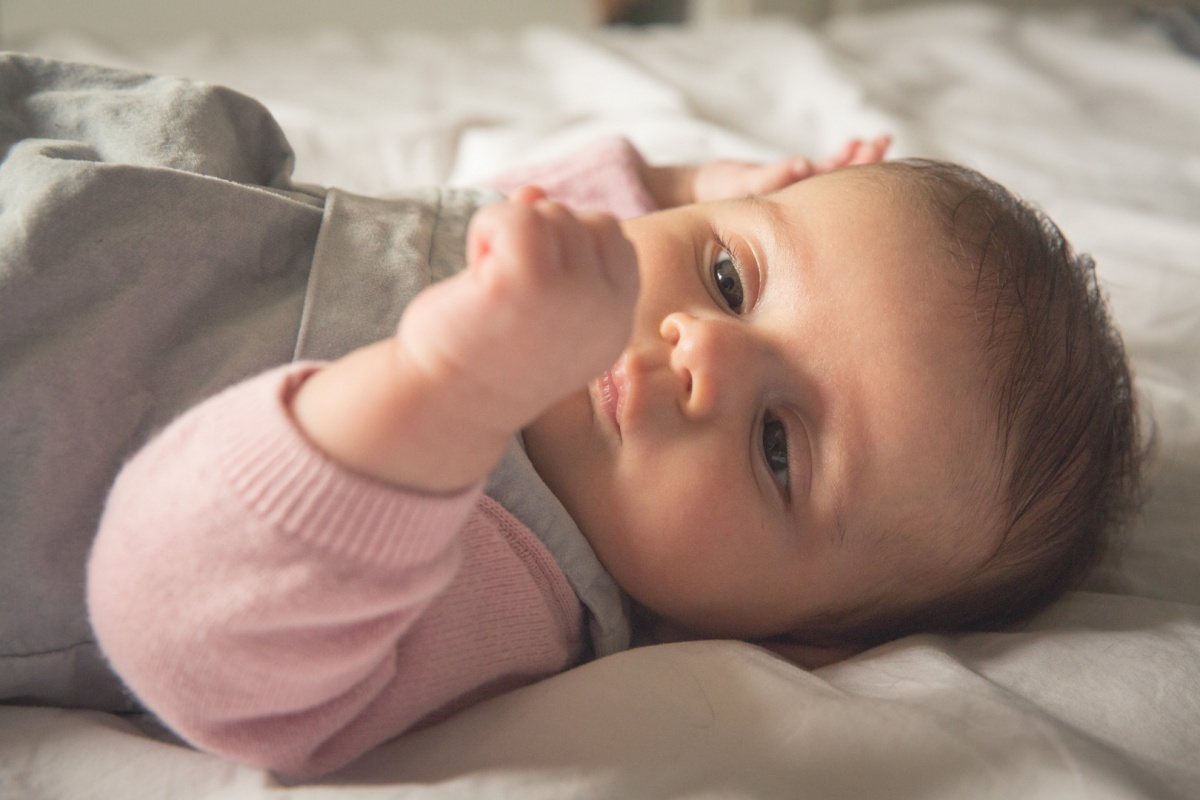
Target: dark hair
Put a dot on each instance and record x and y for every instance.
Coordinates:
(1061, 387)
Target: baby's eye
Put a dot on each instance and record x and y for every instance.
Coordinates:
(727, 279)
(775, 447)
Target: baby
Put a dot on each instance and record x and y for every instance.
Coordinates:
(828, 406)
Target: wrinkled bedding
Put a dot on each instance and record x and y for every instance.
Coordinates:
(1093, 114)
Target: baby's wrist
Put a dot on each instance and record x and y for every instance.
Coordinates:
(370, 415)
(670, 185)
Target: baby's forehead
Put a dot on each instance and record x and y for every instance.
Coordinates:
(890, 179)
(868, 194)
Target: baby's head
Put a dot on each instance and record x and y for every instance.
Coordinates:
(884, 400)
(1058, 388)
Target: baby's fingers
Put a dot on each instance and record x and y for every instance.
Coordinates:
(554, 299)
(855, 152)
(598, 263)
(618, 261)
(871, 151)
(532, 250)
(527, 232)
(721, 179)
(841, 158)
(781, 174)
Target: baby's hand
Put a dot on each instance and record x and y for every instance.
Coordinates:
(545, 304)
(723, 178)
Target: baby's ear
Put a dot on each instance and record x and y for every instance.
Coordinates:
(807, 655)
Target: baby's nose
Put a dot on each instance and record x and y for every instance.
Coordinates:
(704, 359)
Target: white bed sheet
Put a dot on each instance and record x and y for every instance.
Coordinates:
(1089, 113)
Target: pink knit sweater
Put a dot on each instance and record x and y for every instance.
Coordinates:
(278, 610)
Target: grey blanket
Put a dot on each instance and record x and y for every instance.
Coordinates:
(153, 250)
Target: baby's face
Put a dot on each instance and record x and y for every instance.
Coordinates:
(797, 422)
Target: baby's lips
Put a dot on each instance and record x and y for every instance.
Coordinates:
(608, 397)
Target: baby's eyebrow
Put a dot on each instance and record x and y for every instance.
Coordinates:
(759, 201)
(782, 233)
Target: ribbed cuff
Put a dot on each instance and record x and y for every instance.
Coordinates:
(304, 494)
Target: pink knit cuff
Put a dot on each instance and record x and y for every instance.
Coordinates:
(304, 494)
(605, 176)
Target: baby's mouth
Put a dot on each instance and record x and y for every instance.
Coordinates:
(610, 394)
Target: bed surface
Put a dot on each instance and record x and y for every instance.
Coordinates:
(1093, 114)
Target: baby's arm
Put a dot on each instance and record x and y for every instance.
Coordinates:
(546, 303)
(290, 613)
(279, 611)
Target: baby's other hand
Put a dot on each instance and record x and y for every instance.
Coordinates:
(545, 304)
(724, 178)
(717, 180)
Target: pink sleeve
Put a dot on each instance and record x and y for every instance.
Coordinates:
(273, 608)
(604, 176)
